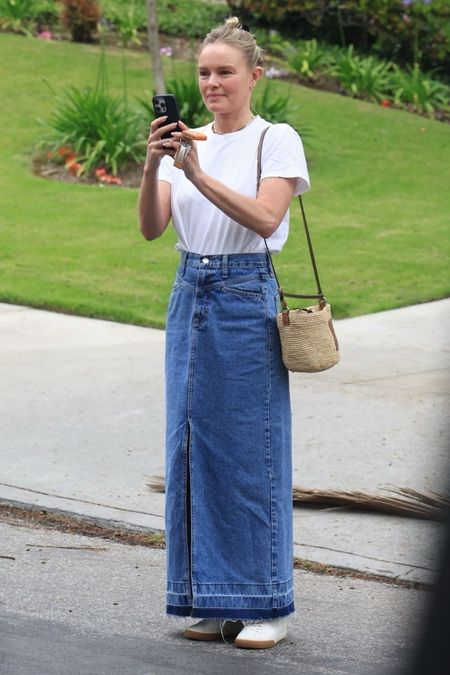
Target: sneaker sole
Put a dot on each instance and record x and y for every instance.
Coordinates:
(256, 644)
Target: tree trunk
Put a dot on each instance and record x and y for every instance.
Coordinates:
(153, 42)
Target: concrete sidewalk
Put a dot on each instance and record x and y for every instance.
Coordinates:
(82, 426)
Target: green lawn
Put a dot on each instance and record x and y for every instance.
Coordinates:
(378, 208)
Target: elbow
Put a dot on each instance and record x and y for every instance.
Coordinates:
(268, 227)
(148, 233)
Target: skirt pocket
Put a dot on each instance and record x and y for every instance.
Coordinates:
(245, 286)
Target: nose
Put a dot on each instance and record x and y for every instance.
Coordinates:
(212, 80)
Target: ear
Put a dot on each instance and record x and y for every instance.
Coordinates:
(255, 75)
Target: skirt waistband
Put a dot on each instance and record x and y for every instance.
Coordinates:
(226, 261)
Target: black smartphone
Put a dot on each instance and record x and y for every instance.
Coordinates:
(166, 104)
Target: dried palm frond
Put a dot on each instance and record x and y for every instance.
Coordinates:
(156, 484)
(412, 503)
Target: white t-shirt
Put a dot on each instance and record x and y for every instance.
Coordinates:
(232, 159)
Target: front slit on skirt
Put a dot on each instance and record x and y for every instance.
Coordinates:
(228, 443)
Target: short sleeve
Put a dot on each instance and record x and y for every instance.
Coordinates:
(283, 156)
(166, 169)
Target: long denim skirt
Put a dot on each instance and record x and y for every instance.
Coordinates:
(228, 443)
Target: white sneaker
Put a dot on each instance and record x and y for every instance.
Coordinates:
(263, 634)
(212, 629)
(206, 629)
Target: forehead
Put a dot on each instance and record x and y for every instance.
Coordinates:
(219, 54)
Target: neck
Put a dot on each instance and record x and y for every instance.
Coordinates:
(224, 124)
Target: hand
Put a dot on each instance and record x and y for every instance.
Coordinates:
(157, 147)
(190, 164)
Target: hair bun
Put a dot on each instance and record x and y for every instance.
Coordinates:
(233, 22)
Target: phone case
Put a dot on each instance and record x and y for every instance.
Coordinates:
(166, 104)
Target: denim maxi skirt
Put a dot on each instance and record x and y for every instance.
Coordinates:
(228, 443)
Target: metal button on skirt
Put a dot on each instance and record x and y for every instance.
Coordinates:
(228, 443)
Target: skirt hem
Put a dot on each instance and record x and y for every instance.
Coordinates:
(243, 614)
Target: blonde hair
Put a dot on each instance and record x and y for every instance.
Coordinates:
(231, 33)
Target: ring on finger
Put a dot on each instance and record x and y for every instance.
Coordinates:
(181, 153)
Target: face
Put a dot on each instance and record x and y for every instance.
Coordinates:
(225, 79)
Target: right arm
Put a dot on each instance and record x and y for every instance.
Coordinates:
(154, 195)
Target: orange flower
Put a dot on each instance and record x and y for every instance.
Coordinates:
(65, 151)
(100, 172)
(73, 167)
(386, 103)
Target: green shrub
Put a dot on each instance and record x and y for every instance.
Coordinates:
(401, 31)
(193, 111)
(270, 40)
(419, 90)
(274, 106)
(189, 18)
(17, 15)
(128, 20)
(307, 58)
(362, 77)
(100, 129)
(81, 17)
(46, 14)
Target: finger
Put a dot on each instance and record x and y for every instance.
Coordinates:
(182, 125)
(158, 121)
(159, 130)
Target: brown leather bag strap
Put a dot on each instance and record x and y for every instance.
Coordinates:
(319, 293)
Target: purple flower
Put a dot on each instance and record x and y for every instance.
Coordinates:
(166, 51)
(272, 72)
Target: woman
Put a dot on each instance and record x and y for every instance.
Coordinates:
(228, 453)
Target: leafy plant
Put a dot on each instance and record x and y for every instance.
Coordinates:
(81, 17)
(419, 90)
(192, 109)
(46, 13)
(127, 20)
(394, 29)
(270, 40)
(100, 129)
(364, 77)
(307, 57)
(16, 15)
(274, 107)
(190, 18)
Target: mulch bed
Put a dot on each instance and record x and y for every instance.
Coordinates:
(130, 176)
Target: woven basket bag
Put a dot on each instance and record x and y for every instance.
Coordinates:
(308, 340)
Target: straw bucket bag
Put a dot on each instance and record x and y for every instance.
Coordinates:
(308, 340)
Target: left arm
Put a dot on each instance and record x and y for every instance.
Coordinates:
(262, 214)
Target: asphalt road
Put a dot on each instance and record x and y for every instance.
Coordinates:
(75, 605)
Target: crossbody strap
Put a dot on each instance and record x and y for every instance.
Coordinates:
(319, 293)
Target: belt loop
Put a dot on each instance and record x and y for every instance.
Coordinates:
(184, 257)
(225, 266)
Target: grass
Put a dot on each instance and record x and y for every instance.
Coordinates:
(377, 210)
